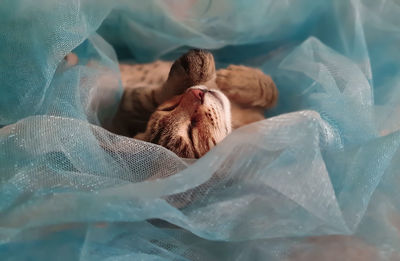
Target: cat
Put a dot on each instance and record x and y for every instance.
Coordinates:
(187, 106)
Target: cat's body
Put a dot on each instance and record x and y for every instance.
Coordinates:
(184, 105)
(188, 106)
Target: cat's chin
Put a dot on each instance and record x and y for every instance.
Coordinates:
(215, 100)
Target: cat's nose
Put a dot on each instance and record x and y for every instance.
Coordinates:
(198, 93)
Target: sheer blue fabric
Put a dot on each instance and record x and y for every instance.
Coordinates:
(318, 179)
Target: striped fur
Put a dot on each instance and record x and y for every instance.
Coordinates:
(158, 106)
(189, 127)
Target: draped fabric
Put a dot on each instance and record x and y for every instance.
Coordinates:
(318, 180)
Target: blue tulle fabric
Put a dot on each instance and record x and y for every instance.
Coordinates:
(318, 180)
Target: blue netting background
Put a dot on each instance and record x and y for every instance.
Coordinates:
(318, 180)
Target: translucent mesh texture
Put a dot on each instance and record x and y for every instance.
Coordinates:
(318, 180)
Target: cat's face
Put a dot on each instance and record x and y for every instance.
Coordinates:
(190, 124)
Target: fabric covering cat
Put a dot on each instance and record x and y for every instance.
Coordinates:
(188, 106)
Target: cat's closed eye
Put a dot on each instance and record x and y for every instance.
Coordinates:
(169, 108)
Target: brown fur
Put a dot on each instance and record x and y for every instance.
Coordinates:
(188, 126)
(192, 127)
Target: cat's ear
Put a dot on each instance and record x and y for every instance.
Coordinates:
(141, 136)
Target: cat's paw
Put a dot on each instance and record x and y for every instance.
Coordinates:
(193, 68)
(248, 87)
(199, 66)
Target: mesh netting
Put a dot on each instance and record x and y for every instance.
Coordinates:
(318, 180)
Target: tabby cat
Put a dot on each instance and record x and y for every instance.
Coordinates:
(188, 106)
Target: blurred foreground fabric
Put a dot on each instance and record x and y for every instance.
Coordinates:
(318, 180)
